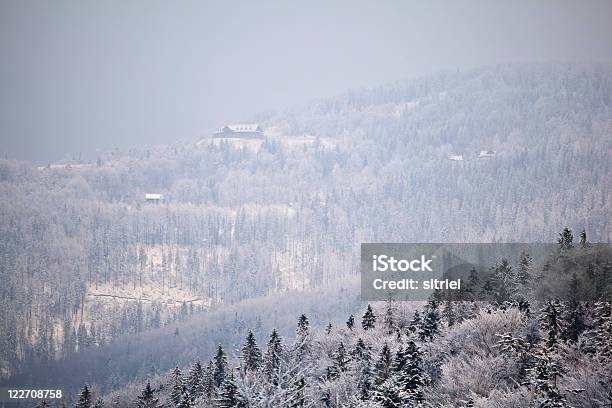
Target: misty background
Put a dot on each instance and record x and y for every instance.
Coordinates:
(77, 77)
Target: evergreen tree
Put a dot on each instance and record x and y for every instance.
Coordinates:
(341, 358)
(272, 359)
(573, 314)
(209, 380)
(350, 323)
(329, 328)
(504, 281)
(178, 386)
(487, 290)
(220, 367)
(449, 312)
(583, 239)
(147, 399)
(544, 379)
(99, 403)
(229, 395)
(84, 400)
(566, 239)
(368, 320)
(251, 352)
(360, 351)
(430, 324)
(364, 384)
(523, 275)
(382, 367)
(550, 322)
(413, 376)
(415, 323)
(601, 334)
(389, 394)
(302, 326)
(388, 320)
(185, 400)
(195, 381)
(399, 361)
(473, 281)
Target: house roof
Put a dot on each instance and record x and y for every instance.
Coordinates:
(240, 127)
(153, 196)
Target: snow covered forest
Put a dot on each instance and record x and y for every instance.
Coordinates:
(117, 291)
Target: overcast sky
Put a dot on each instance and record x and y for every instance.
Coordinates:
(76, 76)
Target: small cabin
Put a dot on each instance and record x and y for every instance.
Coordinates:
(455, 157)
(486, 154)
(241, 130)
(154, 198)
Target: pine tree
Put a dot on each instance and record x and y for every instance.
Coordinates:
(229, 395)
(364, 384)
(341, 358)
(84, 400)
(350, 323)
(251, 352)
(178, 386)
(220, 366)
(399, 361)
(302, 326)
(550, 322)
(272, 359)
(329, 328)
(99, 403)
(413, 376)
(573, 314)
(473, 281)
(389, 320)
(430, 324)
(544, 379)
(185, 400)
(415, 323)
(147, 398)
(368, 320)
(195, 385)
(449, 312)
(360, 351)
(523, 275)
(504, 280)
(390, 394)
(382, 367)
(209, 380)
(601, 334)
(583, 239)
(487, 290)
(566, 239)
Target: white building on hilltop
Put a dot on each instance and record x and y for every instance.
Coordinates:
(486, 154)
(241, 130)
(154, 198)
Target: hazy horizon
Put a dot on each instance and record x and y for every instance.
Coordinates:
(81, 77)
